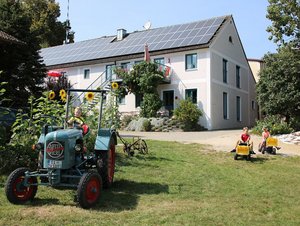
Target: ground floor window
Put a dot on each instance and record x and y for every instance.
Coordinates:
(238, 108)
(191, 94)
(225, 105)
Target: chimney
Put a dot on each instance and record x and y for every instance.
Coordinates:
(121, 34)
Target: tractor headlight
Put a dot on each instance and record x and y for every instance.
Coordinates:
(38, 147)
(78, 147)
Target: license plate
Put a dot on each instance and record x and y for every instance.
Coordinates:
(54, 164)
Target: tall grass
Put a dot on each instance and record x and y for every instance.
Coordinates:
(177, 184)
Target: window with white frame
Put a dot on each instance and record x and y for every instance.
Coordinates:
(109, 71)
(125, 65)
(160, 63)
(238, 76)
(86, 74)
(190, 61)
(238, 109)
(191, 94)
(225, 105)
(225, 65)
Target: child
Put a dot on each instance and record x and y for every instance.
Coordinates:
(246, 139)
(265, 134)
(76, 120)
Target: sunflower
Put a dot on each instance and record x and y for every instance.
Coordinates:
(114, 85)
(63, 99)
(62, 93)
(51, 95)
(89, 96)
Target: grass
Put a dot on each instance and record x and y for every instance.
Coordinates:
(176, 184)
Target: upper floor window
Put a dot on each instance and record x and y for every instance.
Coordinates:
(109, 71)
(225, 70)
(86, 73)
(125, 66)
(191, 94)
(238, 76)
(160, 63)
(159, 60)
(190, 61)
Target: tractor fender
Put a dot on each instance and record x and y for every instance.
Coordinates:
(104, 137)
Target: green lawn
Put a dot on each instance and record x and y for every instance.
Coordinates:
(177, 184)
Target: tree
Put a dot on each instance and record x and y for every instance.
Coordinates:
(143, 80)
(20, 64)
(44, 23)
(278, 89)
(285, 17)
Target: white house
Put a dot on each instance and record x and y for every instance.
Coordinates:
(207, 61)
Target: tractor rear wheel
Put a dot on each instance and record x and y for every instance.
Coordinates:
(106, 165)
(15, 189)
(89, 190)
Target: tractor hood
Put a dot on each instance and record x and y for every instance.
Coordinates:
(65, 134)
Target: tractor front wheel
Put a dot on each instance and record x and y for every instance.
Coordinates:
(17, 192)
(89, 190)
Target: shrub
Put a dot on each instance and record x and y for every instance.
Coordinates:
(188, 114)
(150, 105)
(275, 125)
(147, 125)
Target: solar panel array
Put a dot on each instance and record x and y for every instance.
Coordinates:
(182, 35)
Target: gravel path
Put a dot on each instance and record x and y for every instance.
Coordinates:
(220, 140)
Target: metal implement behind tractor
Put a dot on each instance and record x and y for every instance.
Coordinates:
(64, 163)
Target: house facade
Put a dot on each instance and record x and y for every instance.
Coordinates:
(204, 60)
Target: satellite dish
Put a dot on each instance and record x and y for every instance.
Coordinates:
(147, 25)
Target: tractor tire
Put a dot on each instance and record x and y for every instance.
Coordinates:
(106, 165)
(89, 190)
(235, 157)
(15, 190)
(248, 157)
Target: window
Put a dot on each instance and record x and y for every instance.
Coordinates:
(86, 73)
(224, 71)
(138, 100)
(225, 105)
(121, 99)
(125, 66)
(159, 60)
(109, 71)
(238, 77)
(253, 105)
(138, 61)
(238, 108)
(190, 61)
(191, 94)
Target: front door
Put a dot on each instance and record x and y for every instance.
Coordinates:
(168, 101)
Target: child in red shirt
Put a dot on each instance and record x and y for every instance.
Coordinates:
(246, 139)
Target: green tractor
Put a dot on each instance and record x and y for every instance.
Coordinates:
(65, 163)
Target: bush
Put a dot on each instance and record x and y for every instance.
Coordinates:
(147, 125)
(275, 125)
(15, 155)
(188, 114)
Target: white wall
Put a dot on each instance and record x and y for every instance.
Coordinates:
(233, 52)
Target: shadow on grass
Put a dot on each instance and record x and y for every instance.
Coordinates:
(125, 195)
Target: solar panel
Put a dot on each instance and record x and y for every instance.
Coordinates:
(195, 33)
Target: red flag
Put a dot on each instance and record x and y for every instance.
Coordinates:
(147, 55)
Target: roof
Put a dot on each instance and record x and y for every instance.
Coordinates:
(4, 37)
(158, 39)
